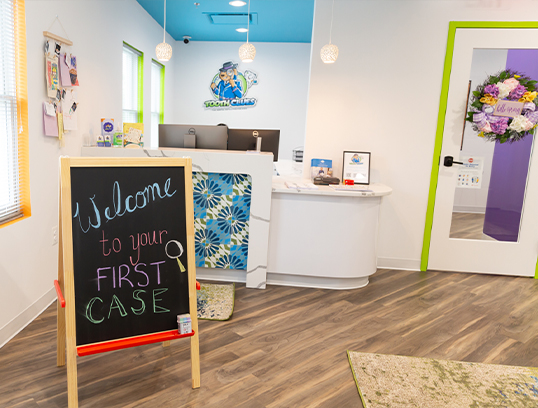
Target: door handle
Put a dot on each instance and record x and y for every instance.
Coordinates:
(449, 161)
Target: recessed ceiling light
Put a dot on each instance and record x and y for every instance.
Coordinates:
(237, 3)
(241, 30)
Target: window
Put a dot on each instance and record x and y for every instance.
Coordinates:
(14, 168)
(157, 97)
(133, 73)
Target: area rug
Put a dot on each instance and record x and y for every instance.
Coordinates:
(215, 302)
(399, 381)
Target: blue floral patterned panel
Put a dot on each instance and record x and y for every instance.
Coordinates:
(221, 219)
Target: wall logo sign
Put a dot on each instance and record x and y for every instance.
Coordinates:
(229, 88)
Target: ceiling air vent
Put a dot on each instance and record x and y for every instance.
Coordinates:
(232, 18)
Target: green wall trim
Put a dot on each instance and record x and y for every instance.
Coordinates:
(141, 88)
(453, 26)
(161, 108)
(161, 114)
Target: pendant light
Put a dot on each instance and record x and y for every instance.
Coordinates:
(247, 51)
(164, 50)
(329, 52)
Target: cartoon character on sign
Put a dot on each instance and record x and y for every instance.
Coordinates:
(356, 159)
(229, 88)
(229, 84)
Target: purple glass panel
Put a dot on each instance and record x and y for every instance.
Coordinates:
(509, 168)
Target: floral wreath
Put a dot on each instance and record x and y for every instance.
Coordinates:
(506, 85)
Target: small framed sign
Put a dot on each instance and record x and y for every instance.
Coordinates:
(356, 167)
(510, 109)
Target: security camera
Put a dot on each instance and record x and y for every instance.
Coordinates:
(186, 39)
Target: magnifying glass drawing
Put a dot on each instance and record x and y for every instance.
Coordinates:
(180, 247)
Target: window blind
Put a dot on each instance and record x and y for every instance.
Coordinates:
(14, 183)
(132, 85)
(157, 79)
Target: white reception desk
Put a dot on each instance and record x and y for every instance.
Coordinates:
(323, 238)
(314, 238)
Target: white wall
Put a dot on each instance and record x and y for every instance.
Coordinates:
(382, 95)
(283, 74)
(28, 260)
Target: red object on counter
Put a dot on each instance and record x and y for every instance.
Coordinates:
(348, 182)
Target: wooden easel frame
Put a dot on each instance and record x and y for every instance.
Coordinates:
(66, 340)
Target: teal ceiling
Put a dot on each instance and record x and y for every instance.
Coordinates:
(216, 20)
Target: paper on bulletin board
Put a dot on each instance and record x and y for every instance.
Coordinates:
(60, 125)
(68, 69)
(69, 103)
(50, 122)
(470, 172)
(51, 73)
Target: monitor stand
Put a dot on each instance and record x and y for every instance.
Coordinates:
(189, 141)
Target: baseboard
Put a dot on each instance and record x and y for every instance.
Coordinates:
(26, 317)
(469, 209)
(398, 263)
(221, 275)
(318, 282)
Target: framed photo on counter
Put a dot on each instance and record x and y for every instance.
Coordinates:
(356, 167)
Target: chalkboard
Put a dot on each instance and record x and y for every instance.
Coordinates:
(129, 229)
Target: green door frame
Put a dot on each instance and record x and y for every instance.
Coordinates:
(453, 26)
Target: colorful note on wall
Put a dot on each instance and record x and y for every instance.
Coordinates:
(51, 72)
(69, 72)
(59, 115)
(69, 104)
(50, 123)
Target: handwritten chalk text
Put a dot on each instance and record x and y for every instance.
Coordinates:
(131, 203)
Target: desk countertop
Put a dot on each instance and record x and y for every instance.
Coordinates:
(373, 190)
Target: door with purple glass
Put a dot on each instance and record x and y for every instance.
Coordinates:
(486, 206)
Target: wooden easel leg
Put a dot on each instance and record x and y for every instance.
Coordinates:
(195, 357)
(60, 339)
(72, 386)
(67, 282)
(60, 314)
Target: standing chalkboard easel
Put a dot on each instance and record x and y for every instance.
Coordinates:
(126, 257)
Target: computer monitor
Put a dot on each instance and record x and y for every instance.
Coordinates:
(243, 139)
(207, 136)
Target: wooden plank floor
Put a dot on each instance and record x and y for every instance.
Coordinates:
(468, 226)
(286, 347)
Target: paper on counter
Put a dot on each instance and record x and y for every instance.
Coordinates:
(300, 186)
(343, 187)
